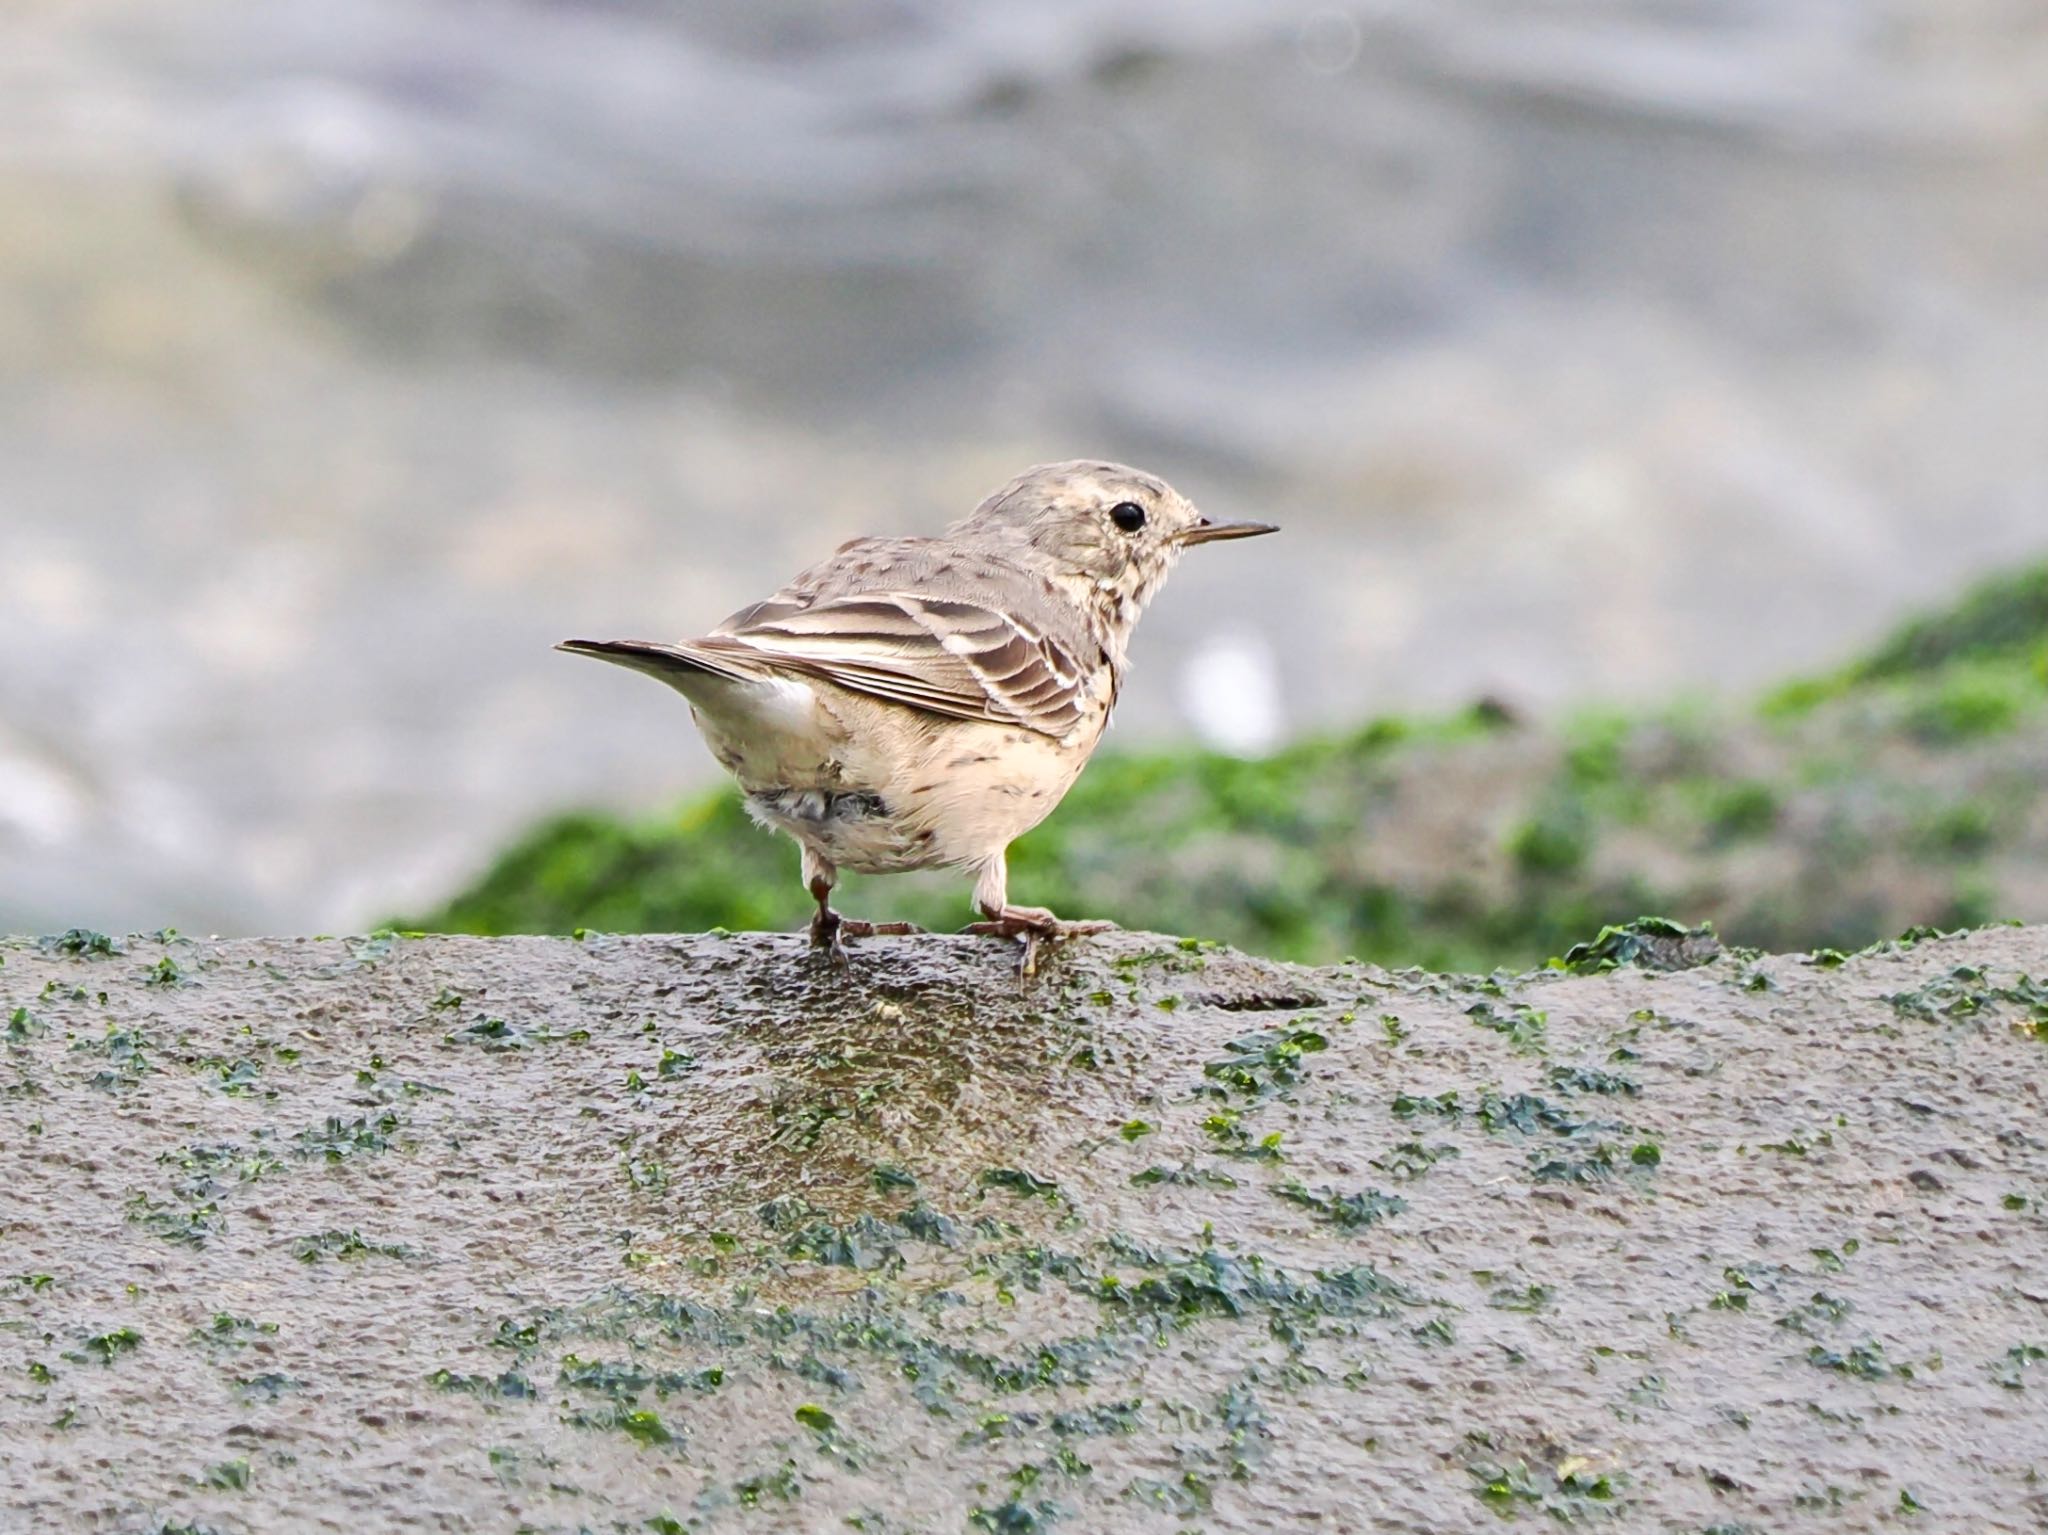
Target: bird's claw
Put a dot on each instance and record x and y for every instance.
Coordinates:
(1051, 929)
(829, 931)
(1032, 928)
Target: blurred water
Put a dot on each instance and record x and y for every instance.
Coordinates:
(351, 355)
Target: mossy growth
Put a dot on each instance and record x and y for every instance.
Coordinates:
(1973, 669)
(1885, 795)
(1183, 841)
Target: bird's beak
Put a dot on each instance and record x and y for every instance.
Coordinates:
(1207, 532)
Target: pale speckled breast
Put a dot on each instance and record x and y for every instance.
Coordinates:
(983, 786)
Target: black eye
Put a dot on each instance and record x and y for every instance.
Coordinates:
(1127, 515)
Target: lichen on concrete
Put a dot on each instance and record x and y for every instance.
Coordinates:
(698, 1233)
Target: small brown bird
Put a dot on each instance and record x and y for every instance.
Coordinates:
(916, 703)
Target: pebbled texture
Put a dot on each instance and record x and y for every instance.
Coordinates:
(464, 1234)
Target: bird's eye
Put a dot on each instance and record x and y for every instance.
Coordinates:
(1127, 515)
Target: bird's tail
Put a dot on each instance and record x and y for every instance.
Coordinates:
(673, 664)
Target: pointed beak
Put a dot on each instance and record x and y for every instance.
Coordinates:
(1207, 532)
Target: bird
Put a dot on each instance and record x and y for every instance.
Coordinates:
(922, 702)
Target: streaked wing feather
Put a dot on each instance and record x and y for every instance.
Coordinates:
(943, 655)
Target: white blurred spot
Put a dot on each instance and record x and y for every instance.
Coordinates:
(39, 802)
(1230, 688)
(1329, 40)
(385, 222)
(168, 819)
(313, 161)
(257, 618)
(59, 593)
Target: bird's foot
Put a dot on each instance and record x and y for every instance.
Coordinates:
(1018, 921)
(1032, 926)
(829, 931)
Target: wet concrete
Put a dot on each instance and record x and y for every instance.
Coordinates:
(649, 1233)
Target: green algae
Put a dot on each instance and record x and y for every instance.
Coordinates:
(1567, 1494)
(498, 1034)
(1863, 1361)
(1892, 761)
(1648, 943)
(1087, 1343)
(1187, 1175)
(128, 1053)
(228, 1476)
(1021, 1182)
(1443, 1105)
(708, 866)
(187, 1225)
(227, 1331)
(104, 1348)
(1966, 992)
(1409, 1160)
(346, 1245)
(2011, 1371)
(1259, 1065)
(1349, 1212)
(338, 1139)
(1586, 1079)
(84, 943)
(508, 1385)
(642, 1425)
(1526, 1029)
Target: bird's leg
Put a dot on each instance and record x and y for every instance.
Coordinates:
(1030, 925)
(827, 926)
(829, 930)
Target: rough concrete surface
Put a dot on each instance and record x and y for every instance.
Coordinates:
(670, 1234)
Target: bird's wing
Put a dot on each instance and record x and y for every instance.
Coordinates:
(945, 655)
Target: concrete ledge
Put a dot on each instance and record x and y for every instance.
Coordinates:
(655, 1233)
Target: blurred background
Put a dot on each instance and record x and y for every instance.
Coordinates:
(1592, 353)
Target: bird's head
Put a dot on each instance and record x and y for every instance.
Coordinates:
(1107, 533)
